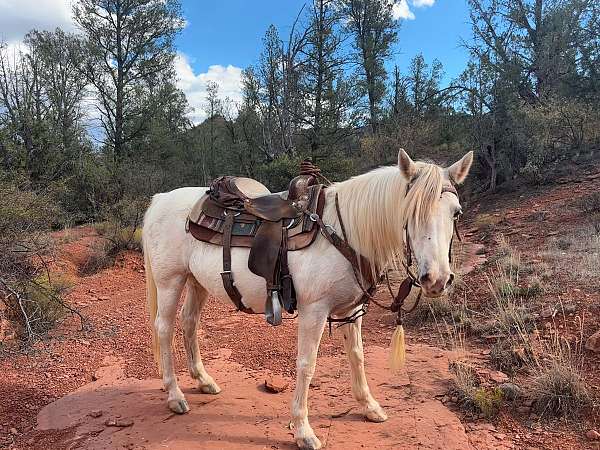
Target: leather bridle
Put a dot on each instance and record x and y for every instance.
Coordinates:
(362, 268)
(411, 280)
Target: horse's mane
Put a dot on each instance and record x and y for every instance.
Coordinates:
(375, 209)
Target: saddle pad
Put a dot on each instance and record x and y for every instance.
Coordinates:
(210, 221)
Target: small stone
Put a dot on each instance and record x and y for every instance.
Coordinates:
(95, 413)
(103, 297)
(14, 431)
(120, 423)
(454, 399)
(276, 384)
(570, 308)
(498, 377)
(510, 391)
(593, 342)
(547, 313)
(315, 383)
(593, 435)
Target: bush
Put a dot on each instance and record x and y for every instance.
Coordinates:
(590, 204)
(558, 390)
(101, 256)
(471, 396)
(121, 231)
(505, 357)
(32, 300)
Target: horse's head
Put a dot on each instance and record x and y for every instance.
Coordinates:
(431, 207)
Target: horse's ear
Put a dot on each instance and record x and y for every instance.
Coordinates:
(406, 165)
(460, 169)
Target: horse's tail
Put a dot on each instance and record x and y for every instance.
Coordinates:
(151, 298)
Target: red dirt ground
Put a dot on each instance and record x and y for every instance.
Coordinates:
(107, 366)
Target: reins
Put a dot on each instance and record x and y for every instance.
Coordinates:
(363, 271)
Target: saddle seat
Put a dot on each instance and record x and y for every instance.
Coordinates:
(242, 212)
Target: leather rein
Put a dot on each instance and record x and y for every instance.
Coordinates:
(363, 272)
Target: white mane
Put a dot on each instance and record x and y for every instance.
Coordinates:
(375, 209)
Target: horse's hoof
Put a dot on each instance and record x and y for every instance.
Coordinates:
(212, 388)
(179, 406)
(309, 443)
(377, 415)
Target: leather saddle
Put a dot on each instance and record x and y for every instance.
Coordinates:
(242, 212)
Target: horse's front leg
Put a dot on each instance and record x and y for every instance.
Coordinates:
(311, 322)
(354, 349)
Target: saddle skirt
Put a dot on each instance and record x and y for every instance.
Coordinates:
(206, 221)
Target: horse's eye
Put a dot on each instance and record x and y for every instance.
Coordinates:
(457, 214)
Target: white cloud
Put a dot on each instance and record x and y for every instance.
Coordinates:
(17, 17)
(193, 85)
(422, 3)
(400, 10)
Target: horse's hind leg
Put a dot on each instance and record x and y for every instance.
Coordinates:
(194, 302)
(354, 349)
(169, 293)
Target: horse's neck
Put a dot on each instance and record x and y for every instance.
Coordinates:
(370, 207)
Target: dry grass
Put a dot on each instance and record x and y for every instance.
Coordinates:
(558, 390)
(114, 239)
(506, 357)
(471, 396)
(577, 255)
(558, 387)
(589, 204)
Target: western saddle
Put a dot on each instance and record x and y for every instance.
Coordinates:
(242, 212)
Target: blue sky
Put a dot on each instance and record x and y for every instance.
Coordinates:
(230, 31)
(224, 36)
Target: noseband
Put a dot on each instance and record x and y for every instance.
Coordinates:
(411, 280)
(362, 268)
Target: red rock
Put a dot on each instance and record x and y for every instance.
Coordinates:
(593, 435)
(498, 377)
(276, 384)
(121, 423)
(95, 413)
(593, 342)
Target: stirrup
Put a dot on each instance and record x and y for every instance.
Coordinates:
(273, 309)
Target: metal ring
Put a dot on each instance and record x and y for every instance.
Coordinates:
(313, 216)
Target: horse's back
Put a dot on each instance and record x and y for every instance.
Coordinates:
(164, 222)
(173, 205)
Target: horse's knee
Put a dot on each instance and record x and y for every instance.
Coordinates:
(305, 368)
(356, 355)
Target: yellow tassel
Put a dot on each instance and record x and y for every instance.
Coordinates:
(397, 350)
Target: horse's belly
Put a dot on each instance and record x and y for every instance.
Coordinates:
(206, 264)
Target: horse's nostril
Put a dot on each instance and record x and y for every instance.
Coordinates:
(450, 280)
(425, 278)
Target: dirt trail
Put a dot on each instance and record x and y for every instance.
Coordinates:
(244, 415)
(239, 351)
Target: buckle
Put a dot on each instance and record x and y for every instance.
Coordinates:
(313, 216)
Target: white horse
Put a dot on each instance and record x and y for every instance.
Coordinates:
(375, 209)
